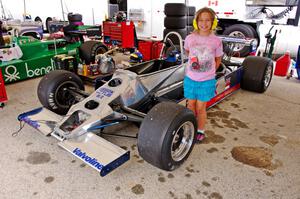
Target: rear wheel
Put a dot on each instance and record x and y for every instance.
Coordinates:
(241, 31)
(53, 90)
(257, 74)
(89, 49)
(166, 136)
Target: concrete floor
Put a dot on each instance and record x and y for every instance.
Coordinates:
(252, 151)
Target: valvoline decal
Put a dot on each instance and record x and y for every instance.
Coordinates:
(101, 92)
(90, 160)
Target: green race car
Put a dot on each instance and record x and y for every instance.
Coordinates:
(28, 57)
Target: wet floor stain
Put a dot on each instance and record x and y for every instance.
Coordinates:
(170, 175)
(35, 157)
(206, 184)
(188, 175)
(234, 105)
(229, 124)
(117, 188)
(136, 156)
(211, 150)
(268, 173)
(259, 157)
(133, 147)
(239, 123)
(191, 170)
(188, 196)
(215, 195)
(161, 179)
(218, 114)
(211, 137)
(138, 189)
(82, 165)
(49, 179)
(215, 178)
(271, 140)
(29, 143)
(205, 193)
(171, 194)
(54, 162)
(215, 124)
(223, 116)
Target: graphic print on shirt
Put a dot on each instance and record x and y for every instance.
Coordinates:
(202, 59)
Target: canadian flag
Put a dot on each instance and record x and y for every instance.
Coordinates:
(213, 3)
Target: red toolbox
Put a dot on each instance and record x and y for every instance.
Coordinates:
(3, 96)
(119, 33)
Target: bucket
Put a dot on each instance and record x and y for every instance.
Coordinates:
(282, 65)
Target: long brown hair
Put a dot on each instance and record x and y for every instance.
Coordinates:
(203, 10)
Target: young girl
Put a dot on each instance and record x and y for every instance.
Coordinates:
(204, 50)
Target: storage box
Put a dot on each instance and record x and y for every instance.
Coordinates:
(145, 47)
(64, 62)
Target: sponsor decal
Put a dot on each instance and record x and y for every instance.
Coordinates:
(39, 71)
(11, 72)
(101, 92)
(92, 161)
(32, 123)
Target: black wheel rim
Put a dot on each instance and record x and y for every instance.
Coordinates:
(100, 50)
(63, 97)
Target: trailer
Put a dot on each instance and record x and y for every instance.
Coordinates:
(239, 18)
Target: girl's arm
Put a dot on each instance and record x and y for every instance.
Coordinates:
(187, 52)
(218, 62)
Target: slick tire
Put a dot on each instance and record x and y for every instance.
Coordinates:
(166, 136)
(52, 92)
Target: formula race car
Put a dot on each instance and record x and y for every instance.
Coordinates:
(147, 93)
(26, 57)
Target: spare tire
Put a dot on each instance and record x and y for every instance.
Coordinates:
(89, 49)
(52, 90)
(257, 73)
(175, 9)
(175, 22)
(74, 17)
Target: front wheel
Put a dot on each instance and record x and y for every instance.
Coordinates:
(53, 90)
(166, 136)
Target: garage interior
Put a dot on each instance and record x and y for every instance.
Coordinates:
(250, 150)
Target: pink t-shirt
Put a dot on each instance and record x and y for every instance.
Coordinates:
(202, 53)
